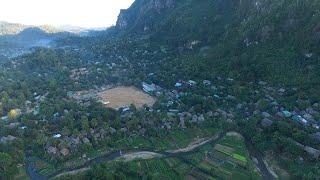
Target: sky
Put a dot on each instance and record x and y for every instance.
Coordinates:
(83, 13)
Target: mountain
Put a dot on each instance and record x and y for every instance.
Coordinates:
(32, 36)
(17, 39)
(10, 28)
(250, 39)
(7, 28)
(144, 15)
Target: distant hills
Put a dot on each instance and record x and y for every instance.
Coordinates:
(17, 39)
(7, 28)
(19, 36)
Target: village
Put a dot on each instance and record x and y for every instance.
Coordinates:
(216, 92)
(107, 106)
(170, 105)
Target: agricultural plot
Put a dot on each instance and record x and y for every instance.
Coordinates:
(234, 148)
(174, 140)
(22, 174)
(165, 168)
(204, 163)
(145, 169)
(228, 159)
(182, 138)
(43, 167)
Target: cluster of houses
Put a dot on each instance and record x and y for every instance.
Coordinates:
(66, 145)
(303, 120)
(29, 108)
(191, 83)
(149, 88)
(77, 73)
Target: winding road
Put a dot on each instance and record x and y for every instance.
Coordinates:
(34, 175)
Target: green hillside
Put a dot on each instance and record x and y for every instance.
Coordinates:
(247, 39)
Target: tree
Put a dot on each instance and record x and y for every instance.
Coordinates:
(7, 167)
(13, 114)
(94, 123)
(84, 123)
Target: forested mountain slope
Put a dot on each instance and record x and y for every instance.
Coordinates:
(249, 39)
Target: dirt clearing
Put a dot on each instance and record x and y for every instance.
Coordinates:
(195, 144)
(125, 96)
(139, 155)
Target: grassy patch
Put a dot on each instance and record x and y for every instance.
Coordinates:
(240, 158)
(22, 174)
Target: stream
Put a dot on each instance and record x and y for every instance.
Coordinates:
(266, 174)
(34, 175)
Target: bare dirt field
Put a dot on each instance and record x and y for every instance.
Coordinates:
(124, 96)
(139, 155)
(193, 145)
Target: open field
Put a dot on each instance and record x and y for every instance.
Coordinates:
(125, 96)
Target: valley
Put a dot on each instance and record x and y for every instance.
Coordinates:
(221, 89)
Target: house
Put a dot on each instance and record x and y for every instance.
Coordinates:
(304, 121)
(316, 126)
(192, 83)
(287, 114)
(104, 102)
(56, 115)
(206, 82)
(173, 110)
(216, 96)
(7, 139)
(57, 136)
(125, 109)
(170, 103)
(4, 118)
(300, 119)
(23, 127)
(308, 55)
(178, 84)
(36, 110)
(266, 122)
(149, 88)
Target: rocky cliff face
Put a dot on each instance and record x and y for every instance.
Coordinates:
(122, 22)
(158, 5)
(137, 16)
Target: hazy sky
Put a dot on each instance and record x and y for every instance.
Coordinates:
(84, 13)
